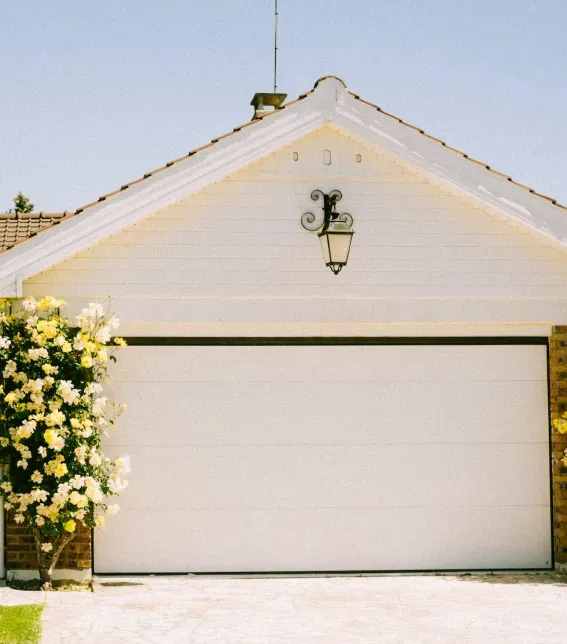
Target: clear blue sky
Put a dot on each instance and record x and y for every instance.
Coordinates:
(96, 93)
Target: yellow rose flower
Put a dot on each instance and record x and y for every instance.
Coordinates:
(49, 302)
(87, 361)
(50, 435)
(69, 526)
(61, 470)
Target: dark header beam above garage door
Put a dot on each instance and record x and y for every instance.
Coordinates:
(331, 341)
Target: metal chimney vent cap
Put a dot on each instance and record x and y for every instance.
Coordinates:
(262, 101)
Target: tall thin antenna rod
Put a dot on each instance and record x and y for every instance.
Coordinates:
(276, 49)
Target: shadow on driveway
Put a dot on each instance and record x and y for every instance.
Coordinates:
(532, 579)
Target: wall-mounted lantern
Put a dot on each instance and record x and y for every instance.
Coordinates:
(334, 228)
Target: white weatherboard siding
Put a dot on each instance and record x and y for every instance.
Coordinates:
(233, 259)
(312, 458)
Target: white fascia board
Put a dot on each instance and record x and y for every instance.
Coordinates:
(452, 171)
(184, 178)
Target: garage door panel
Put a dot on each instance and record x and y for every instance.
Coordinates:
(257, 458)
(320, 364)
(347, 476)
(207, 415)
(321, 539)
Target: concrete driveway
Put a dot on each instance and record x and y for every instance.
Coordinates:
(308, 610)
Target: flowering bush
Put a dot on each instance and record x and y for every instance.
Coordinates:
(560, 425)
(52, 419)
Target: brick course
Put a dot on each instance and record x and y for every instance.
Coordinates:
(558, 405)
(20, 549)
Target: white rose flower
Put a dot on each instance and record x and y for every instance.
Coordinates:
(117, 484)
(39, 495)
(94, 458)
(69, 394)
(46, 547)
(95, 310)
(99, 405)
(122, 464)
(10, 369)
(77, 482)
(37, 477)
(36, 354)
(103, 335)
(94, 494)
(93, 388)
(30, 304)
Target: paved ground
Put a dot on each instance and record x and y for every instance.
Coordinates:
(339, 610)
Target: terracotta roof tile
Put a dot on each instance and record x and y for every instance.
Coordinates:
(17, 228)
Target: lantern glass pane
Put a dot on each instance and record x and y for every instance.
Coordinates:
(324, 239)
(339, 246)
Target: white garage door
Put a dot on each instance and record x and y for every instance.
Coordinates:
(331, 458)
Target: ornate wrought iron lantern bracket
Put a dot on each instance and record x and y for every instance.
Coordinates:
(335, 229)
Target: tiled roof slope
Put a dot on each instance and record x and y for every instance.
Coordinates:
(14, 231)
(15, 228)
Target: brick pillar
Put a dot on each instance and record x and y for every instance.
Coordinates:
(20, 549)
(558, 405)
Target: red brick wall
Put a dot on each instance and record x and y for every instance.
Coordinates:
(558, 404)
(20, 549)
